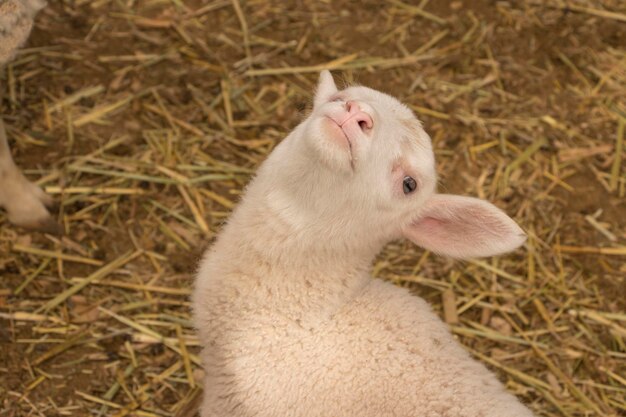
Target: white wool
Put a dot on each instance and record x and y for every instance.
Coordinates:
(16, 22)
(290, 321)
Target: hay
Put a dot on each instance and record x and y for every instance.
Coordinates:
(146, 119)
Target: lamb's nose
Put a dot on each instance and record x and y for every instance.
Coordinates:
(363, 119)
(352, 106)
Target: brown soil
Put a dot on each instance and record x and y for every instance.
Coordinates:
(510, 72)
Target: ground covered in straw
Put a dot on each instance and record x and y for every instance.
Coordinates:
(146, 118)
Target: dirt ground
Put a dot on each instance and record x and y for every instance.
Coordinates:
(145, 119)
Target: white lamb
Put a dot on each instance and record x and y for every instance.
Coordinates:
(291, 323)
(24, 202)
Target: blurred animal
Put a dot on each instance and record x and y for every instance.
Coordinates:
(24, 202)
(290, 321)
(16, 22)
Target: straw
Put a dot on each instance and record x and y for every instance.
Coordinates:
(145, 121)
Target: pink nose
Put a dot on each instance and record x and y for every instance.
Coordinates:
(355, 113)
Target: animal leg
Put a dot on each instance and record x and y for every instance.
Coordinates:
(24, 202)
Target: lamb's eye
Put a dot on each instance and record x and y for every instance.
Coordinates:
(408, 185)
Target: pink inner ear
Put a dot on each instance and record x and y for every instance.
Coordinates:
(429, 225)
(464, 227)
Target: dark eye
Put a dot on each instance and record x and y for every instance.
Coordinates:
(408, 185)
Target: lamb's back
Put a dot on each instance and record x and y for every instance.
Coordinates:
(385, 353)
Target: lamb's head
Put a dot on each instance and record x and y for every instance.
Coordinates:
(357, 132)
(360, 169)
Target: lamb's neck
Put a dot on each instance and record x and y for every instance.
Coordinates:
(316, 274)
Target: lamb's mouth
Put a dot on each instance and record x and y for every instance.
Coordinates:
(347, 140)
(349, 148)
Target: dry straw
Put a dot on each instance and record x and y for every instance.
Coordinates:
(146, 119)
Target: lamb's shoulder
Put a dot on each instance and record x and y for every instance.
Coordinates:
(388, 325)
(395, 351)
(392, 312)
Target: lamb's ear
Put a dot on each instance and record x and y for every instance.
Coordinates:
(464, 227)
(325, 88)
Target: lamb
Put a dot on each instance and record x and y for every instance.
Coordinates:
(24, 202)
(291, 323)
